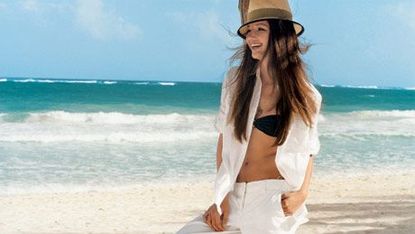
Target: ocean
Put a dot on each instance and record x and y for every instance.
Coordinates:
(76, 135)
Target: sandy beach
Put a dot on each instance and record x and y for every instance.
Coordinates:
(340, 204)
(111, 111)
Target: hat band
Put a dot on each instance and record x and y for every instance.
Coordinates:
(269, 13)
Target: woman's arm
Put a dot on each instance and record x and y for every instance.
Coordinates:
(219, 151)
(211, 216)
(306, 184)
(291, 201)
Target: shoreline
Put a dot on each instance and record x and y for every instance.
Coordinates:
(356, 204)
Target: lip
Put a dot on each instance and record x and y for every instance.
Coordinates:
(255, 46)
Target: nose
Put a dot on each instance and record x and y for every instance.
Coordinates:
(250, 36)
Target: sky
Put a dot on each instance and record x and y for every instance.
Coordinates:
(355, 42)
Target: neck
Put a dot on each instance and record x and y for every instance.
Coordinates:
(264, 72)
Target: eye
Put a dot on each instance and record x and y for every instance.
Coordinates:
(258, 28)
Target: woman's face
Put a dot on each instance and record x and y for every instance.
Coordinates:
(257, 38)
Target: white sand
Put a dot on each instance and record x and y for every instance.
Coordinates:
(359, 204)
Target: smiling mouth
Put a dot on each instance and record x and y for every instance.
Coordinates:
(255, 46)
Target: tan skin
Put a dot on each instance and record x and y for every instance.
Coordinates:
(259, 163)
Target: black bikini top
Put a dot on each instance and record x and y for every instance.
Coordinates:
(268, 124)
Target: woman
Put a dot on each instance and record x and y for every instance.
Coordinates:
(267, 127)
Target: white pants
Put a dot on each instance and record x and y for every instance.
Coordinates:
(255, 207)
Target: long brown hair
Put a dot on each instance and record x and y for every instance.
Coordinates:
(288, 72)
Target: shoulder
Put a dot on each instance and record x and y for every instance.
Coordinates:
(316, 94)
(231, 75)
(230, 78)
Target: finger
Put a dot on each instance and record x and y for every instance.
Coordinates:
(205, 218)
(288, 210)
(284, 209)
(217, 223)
(285, 195)
(284, 203)
(212, 223)
(209, 222)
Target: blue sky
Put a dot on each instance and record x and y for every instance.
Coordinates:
(356, 42)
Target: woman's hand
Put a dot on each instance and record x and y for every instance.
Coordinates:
(291, 201)
(212, 217)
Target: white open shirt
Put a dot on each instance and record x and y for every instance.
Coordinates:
(291, 158)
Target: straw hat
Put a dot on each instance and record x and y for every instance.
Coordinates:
(256, 10)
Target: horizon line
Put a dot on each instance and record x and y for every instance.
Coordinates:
(6, 78)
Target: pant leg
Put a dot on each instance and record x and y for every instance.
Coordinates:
(197, 225)
(262, 211)
(255, 207)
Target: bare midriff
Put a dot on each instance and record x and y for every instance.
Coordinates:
(259, 163)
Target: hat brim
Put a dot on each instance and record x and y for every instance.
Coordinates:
(299, 29)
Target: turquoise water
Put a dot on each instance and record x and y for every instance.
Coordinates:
(146, 97)
(66, 134)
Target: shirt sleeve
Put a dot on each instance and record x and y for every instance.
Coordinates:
(302, 141)
(314, 138)
(220, 119)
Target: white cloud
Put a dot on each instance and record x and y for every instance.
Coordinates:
(3, 6)
(92, 16)
(103, 24)
(404, 11)
(44, 8)
(211, 25)
(208, 24)
(30, 5)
